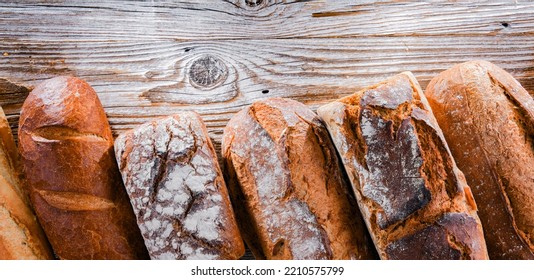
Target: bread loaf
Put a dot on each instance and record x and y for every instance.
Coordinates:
(21, 236)
(414, 200)
(488, 121)
(177, 190)
(75, 185)
(286, 183)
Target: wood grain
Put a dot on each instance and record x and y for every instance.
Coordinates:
(155, 58)
(270, 19)
(139, 55)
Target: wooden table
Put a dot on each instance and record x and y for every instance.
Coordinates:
(151, 59)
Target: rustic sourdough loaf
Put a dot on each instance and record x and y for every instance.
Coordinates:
(488, 121)
(285, 180)
(177, 190)
(414, 200)
(21, 236)
(75, 185)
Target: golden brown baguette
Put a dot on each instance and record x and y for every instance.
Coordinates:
(21, 236)
(286, 182)
(177, 190)
(75, 185)
(488, 121)
(414, 199)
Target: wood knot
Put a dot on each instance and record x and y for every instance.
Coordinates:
(207, 72)
(253, 3)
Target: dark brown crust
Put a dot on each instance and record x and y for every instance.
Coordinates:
(447, 239)
(403, 174)
(488, 121)
(429, 243)
(181, 202)
(74, 183)
(402, 165)
(307, 201)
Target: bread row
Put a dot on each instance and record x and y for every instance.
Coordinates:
(377, 174)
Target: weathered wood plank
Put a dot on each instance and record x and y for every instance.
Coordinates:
(139, 56)
(140, 81)
(269, 19)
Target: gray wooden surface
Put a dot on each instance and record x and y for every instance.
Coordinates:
(153, 58)
(138, 55)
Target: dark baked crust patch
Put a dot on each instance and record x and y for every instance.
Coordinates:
(402, 173)
(394, 162)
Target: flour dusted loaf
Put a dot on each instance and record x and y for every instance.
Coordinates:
(177, 190)
(21, 236)
(414, 200)
(488, 121)
(74, 183)
(287, 185)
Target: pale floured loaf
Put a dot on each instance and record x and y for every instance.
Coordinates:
(177, 190)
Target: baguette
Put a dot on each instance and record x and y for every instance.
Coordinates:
(177, 190)
(414, 199)
(75, 185)
(287, 185)
(488, 121)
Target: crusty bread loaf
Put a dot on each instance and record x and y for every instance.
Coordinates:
(413, 198)
(75, 185)
(21, 236)
(286, 183)
(488, 121)
(177, 190)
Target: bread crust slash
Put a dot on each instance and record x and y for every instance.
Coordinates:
(177, 190)
(74, 182)
(407, 185)
(285, 179)
(488, 120)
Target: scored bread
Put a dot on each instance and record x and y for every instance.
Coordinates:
(291, 198)
(414, 199)
(488, 121)
(177, 190)
(74, 182)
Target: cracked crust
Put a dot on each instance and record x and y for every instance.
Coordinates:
(74, 183)
(177, 190)
(488, 120)
(404, 177)
(287, 185)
